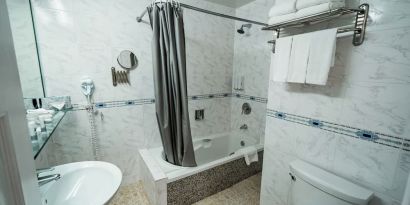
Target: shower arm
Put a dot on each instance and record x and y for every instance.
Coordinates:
(139, 18)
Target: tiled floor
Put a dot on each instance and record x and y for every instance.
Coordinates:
(131, 195)
(245, 192)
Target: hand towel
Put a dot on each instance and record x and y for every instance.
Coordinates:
(283, 8)
(318, 9)
(280, 60)
(280, 19)
(299, 57)
(250, 154)
(302, 4)
(321, 56)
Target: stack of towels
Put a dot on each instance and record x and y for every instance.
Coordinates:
(285, 10)
(305, 58)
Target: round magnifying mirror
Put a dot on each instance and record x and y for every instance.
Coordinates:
(127, 60)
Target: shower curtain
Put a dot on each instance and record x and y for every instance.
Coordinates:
(170, 82)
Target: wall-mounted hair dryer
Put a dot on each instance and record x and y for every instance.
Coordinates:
(87, 87)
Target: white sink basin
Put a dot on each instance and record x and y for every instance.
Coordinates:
(85, 183)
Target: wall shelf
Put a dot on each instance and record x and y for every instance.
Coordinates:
(50, 128)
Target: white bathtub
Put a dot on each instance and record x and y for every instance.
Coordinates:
(210, 152)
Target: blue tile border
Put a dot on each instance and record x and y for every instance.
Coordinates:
(210, 96)
(357, 133)
(249, 97)
(124, 103)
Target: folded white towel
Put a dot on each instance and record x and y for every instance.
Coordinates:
(321, 56)
(299, 57)
(250, 154)
(301, 4)
(283, 8)
(280, 60)
(318, 9)
(280, 19)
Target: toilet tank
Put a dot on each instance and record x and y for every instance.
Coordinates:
(314, 186)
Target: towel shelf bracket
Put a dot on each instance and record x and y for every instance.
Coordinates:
(359, 29)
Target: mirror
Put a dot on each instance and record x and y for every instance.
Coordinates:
(127, 60)
(25, 46)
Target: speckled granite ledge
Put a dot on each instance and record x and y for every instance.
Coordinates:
(199, 186)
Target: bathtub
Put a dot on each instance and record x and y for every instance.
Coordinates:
(211, 152)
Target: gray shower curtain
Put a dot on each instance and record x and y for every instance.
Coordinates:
(170, 82)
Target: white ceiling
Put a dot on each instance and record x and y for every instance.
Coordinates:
(232, 3)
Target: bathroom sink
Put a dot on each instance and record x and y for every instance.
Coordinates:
(85, 183)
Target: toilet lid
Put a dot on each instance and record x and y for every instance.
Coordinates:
(331, 183)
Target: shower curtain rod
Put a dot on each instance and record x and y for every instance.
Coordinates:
(139, 18)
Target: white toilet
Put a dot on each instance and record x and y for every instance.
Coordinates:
(314, 186)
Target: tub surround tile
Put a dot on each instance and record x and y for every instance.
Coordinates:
(252, 56)
(153, 178)
(255, 121)
(216, 117)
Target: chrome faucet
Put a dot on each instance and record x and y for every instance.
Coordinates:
(244, 127)
(42, 180)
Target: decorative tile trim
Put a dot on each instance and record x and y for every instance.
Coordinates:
(124, 103)
(210, 96)
(406, 145)
(362, 134)
(249, 97)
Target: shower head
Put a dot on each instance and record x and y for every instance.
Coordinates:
(243, 27)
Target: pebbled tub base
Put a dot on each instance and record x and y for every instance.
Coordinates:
(201, 185)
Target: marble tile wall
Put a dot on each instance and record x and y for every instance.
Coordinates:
(252, 60)
(98, 31)
(368, 89)
(81, 38)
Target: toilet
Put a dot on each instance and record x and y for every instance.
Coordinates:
(314, 186)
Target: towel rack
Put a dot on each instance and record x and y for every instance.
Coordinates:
(359, 29)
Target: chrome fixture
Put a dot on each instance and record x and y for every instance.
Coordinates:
(244, 29)
(119, 77)
(359, 28)
(244, 127)
(246, 109)
(243, 143)
(127, 60)
(139, 18)
(199, 114)
(47, 178)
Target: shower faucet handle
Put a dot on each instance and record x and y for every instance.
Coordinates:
(244, 127)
